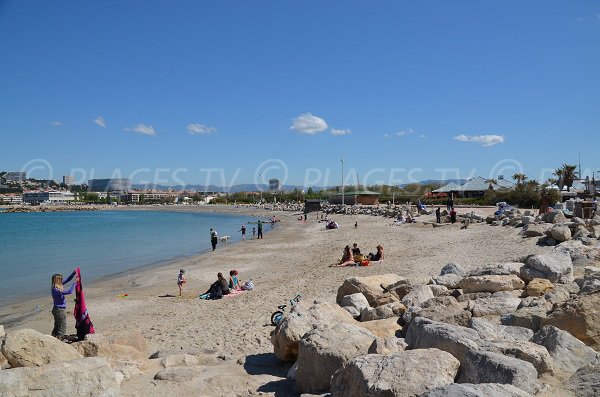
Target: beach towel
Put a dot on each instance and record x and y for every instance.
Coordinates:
(83, 324)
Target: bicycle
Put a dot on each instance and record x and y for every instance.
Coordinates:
(277, 316)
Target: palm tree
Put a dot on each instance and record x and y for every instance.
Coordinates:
(520, 178)
(533, 184)
(559, 172)
(491, 183)
(552, 181)
(569, 175)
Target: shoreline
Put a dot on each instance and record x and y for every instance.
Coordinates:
(17, 311)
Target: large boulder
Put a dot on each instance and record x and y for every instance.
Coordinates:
(387, 346)
(477, 390)
(417, 295)
(382, 328)
(580, 316)
(407, 373)
(445, 309)
(369, 286)
(539, 287)
(394, 309)
(533, 230)
(533, 353)
(302, 318)
(488, 367)
(423, 333)
(447, 280)
(453, 268)
(326, 349)
(121, 351)
(499, 303)
(357, 301)
(489, 331)
(585, 382)
(497, 269)
(556, 216)
(560, 233)
(568, 352)
(92, 377)
(491, 283)
(29, 348)
(527, 317)
(556, 267)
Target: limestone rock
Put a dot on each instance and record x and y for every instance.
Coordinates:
(539, 287)
(560, 233)
(487, 367)
(556, 216)
(324, 350)
(302, 318)
(418, 295)
(121, 351)
(527, 351)
(423, 333)
(556, 267)
(2, 333)
(407, 373)
(387, 346)
(497, 269)
(357, 301)
(29, 348)
(472, 296)
(395, 309)
(369, 286)
(448, 280)
(499, 303)
(491, 283)
(91, 377)
(445, 309)
(439, 290)
(585, 382)
(580, 316)
(382, 328)
(568, 352)
(477, 390)
(489, 331)
(179, 360)
(533, 230)
(178, 374)
(529, 317)
(352, 311)
(453, 268)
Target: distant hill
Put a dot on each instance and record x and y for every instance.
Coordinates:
(250, 187)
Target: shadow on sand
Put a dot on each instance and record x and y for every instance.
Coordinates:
(268, 364)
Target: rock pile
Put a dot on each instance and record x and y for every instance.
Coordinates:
(508, 329)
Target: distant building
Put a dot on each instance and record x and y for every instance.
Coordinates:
(311, 205)
(274, 185)
(365, 197)
(15, 176)
(109, 185)
(68, 180)
(49, 197)
(11, 198)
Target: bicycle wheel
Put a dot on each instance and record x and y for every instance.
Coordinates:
(276, 317)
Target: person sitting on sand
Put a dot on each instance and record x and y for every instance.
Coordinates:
(378, 256)
(355, 249)
(234, 283)
(347, 258)
(217, 289)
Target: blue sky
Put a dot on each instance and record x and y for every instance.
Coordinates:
(231, 91)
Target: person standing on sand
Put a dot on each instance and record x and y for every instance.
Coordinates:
(243, 230)
(260, 235)
(438, 215)
(60, 304)
(181, 281)
(214, 239)
(452, 216)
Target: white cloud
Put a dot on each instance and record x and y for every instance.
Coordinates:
(409, 131)
(200, 129)
(100, 121)
(422, 136)
(386, 135)
(57, 124)
(484, 140)
(142, 128)
(308, 124)
(340, 132)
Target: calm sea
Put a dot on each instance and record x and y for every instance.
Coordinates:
(33, 246)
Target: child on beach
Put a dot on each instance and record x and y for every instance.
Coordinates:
(243, 230)
(234, 283)
(253, 232)
(60, 304)
(181, 281)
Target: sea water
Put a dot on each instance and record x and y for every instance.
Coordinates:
(35, 245)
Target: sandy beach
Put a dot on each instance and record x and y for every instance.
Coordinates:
(232, 335)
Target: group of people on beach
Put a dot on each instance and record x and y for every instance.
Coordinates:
(353, 257)
(223, 287)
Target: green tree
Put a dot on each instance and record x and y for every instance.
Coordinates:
(520, 178)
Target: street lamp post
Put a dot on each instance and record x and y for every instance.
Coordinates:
(260, 186)
(342, 181)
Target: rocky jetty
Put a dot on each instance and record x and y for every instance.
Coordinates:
(505, 329)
